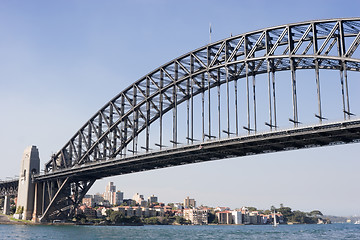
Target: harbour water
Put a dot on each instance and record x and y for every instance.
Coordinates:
(330, 231)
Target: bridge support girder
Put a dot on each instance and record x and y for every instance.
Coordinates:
(59, 199)
(7, 205)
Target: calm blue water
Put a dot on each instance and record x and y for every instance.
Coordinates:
(331, 231)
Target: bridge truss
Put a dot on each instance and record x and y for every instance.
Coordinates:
(112, 133)
(9, 188)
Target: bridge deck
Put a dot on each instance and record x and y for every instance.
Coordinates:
(9, 187)
(281, 140)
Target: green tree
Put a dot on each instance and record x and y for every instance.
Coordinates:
(20, 210)
(212, 218)
(152, 221)
(286, 212)
(251, 209)
(302, 217)
(116, 217)
(181, 220)
(108, 212)
(12, 209)
(80, 218)
(267, 212)
(165, 220)
(134, 220)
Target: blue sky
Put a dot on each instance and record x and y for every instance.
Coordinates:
(61, 61)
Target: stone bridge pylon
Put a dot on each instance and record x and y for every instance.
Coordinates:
(30, 165)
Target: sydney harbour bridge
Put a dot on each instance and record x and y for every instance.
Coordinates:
(210, 104)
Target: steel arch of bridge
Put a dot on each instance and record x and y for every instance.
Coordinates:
(315, 45)
(324, 44)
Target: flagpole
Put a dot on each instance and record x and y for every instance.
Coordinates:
(209, 32)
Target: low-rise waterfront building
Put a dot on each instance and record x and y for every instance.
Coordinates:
(265, 219)
(129, 211)
(224, 217)
(93, 200)
(167, 209)
(148, 212)
(87, 211)
(129, 202)
(178, 213)
(88, 201)
(105, 203)
(236, 217)
(196, 216)
(179, 205)
(103, 211)
(138, 212)
(221, 209)
(254, 218)
(159, 212)
(99, 212)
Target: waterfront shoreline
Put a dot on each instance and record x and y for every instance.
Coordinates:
(6, 220)
(300, 231)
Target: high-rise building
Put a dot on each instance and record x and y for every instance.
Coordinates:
(138, 198)
(110, 187)
(189, 203)
(118, 197)
(152, 199)
(113, 196)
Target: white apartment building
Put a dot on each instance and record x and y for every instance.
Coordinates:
(236, 217)
(196, 216)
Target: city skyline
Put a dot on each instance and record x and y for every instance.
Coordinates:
(61, 62)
